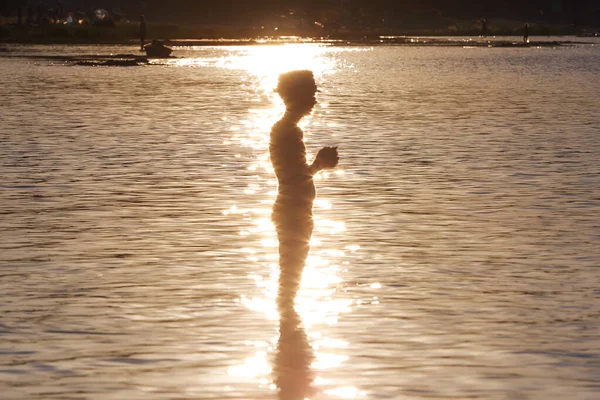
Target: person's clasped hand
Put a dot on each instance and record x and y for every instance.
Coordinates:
(327, 157)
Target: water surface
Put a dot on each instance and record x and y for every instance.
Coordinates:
(455, 253)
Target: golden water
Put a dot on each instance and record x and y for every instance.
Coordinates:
(455, 252)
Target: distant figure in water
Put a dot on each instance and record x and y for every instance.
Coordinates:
(526, 34)
(292, 211)
(142, 32)
(292, 216)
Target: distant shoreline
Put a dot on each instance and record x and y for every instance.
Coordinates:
(128, 33)
(406, 41)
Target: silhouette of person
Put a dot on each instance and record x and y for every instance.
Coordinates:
(142, 32)
(29, 19)
(526, 34)
(58, 13)
(40, 13)
(292, 216)
(292, 211)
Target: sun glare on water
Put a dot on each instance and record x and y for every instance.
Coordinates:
(268, 62)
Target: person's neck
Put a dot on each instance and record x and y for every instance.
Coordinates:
(293, 116)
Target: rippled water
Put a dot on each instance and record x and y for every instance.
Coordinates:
(455, 254)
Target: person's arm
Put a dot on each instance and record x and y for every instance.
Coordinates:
(315, 166)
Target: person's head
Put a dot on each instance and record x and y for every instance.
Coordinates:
(297, 90)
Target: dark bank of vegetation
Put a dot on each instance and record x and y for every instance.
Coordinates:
(65, 34)
(123, 33)
(116, 21)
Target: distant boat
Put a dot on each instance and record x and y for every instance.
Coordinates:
(157, 49)
(588, 34)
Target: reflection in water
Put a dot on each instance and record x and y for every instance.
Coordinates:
(294, 356)
(292, 217)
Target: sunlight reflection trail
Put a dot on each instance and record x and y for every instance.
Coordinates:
(317, 303)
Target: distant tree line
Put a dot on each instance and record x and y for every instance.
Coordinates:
(577, 12)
